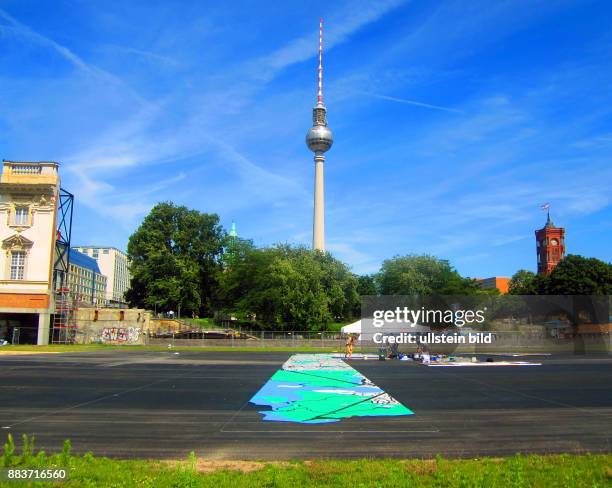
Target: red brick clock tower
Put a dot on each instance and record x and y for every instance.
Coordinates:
(550, 245)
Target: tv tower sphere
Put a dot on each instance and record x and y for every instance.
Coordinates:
(319, 139)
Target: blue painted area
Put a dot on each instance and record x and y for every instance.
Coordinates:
(315, 389)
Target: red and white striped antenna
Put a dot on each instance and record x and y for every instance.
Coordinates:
(320, 94)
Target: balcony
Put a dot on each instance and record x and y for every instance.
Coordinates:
(30, 173)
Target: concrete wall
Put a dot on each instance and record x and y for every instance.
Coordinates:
(161, 326)
(112, 325)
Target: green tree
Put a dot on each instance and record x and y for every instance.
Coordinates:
(175, 259)
(422, 275)
(523, 282)
(287, 287)
(234, 250)
(574, 275)
(366, 285)
(577, 275)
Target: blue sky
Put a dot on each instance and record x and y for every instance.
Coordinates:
(453, 121)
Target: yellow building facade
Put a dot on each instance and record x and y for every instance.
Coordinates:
(29, 193)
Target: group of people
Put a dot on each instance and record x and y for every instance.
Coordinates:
(421, 354)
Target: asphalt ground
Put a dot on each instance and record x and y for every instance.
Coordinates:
(164, 405)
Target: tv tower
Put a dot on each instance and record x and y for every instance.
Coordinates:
(319, 139)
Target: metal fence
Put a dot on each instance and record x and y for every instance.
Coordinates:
(117, 333)
(263, 339)
(500, 341)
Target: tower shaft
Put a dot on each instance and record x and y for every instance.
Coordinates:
(318, 226)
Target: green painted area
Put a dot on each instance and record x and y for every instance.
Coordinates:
(321, 388)
(314, 377)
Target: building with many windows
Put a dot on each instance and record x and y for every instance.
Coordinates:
(85, 281)
(114, 265)
(502, 283)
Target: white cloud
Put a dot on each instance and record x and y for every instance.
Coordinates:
(412, 102)
(19, 29)
(337, 29)
(360, 261)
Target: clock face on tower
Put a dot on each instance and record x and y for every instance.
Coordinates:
(554, 242)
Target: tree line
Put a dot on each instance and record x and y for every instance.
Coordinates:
(184, 260)
(574, 275)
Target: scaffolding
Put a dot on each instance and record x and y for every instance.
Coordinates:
(64, 318)
(63, 330)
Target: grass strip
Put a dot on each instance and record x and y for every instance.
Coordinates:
(547, 471)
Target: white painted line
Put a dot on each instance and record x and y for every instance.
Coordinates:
(330, 431)
(469, 364)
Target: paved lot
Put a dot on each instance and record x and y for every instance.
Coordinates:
(163, 405)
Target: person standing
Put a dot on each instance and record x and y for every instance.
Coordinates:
(349, 346)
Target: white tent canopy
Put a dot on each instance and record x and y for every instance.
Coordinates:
(354, 328)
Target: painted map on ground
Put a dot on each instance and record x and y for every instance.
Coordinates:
(319, 388)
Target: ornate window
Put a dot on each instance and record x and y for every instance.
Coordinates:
(17, 248)
(22, 216)
(17, 265)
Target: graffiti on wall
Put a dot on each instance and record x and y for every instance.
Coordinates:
(319, 388)
(120, 334)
